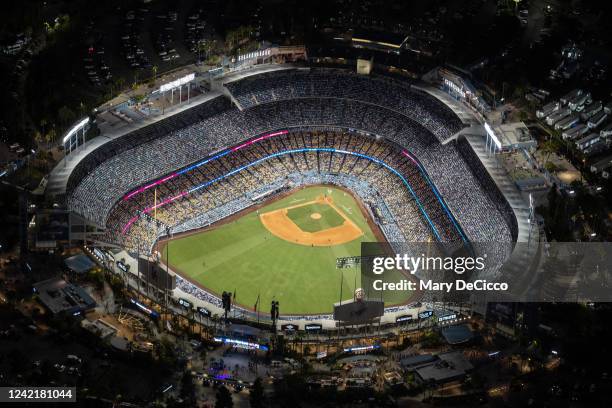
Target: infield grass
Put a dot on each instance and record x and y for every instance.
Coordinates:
(243, 256)
(302, 217)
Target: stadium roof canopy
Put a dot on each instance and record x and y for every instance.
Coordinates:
(379, 38)
(79, 263)
(457, 334)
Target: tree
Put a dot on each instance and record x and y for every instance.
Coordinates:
(117, 284)
(43, 125)
(136, 77)
(224, 398)
(38, 137)
(97, 277)
(66, 115)
(46, 372)
(187, 387)
(166, 353)
(120, 83)
(237, 36)
(126, 276)
(17, 361)
(206, 47)
(550, 167)
(552, 197)
(51, 135)
(191, 319)
(256, 396)
(548, 147)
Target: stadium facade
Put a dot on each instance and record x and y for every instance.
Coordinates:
(398, 146)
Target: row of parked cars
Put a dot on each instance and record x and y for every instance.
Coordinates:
(164, 42)
(132, 47)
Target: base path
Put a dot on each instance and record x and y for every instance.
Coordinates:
(280, 225)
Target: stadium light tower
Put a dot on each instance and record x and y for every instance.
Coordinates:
(492, 143)
(226, 301)
(72, 136)
(274, 314)
(531, 218)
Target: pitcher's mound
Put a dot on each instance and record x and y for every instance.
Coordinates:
(315, 216)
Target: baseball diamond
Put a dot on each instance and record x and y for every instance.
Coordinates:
(265, 252)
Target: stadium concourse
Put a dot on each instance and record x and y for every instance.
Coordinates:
(389, 142)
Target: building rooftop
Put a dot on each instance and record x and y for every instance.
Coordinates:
(79, 263)
(99, 327)
(448, 367)
(514, 135)
(457, 334)
(414, 361)
(384, 39)
(58, 296)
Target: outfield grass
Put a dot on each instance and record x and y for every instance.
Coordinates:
(302, 217)
(243, 256)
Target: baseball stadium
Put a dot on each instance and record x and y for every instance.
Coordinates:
(260, 186)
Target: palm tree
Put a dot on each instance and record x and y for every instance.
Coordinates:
(135, 84)
(126, 276)
(120, 84)
(206, 46)
(256, 396)
(43, 125)
(224, 398)
(215, 319)
(548, 148)
(190, 319)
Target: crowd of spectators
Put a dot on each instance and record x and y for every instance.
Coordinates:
(329, 83)
(207, 190)
(189, 288)
(461, 189)
(488, 185)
